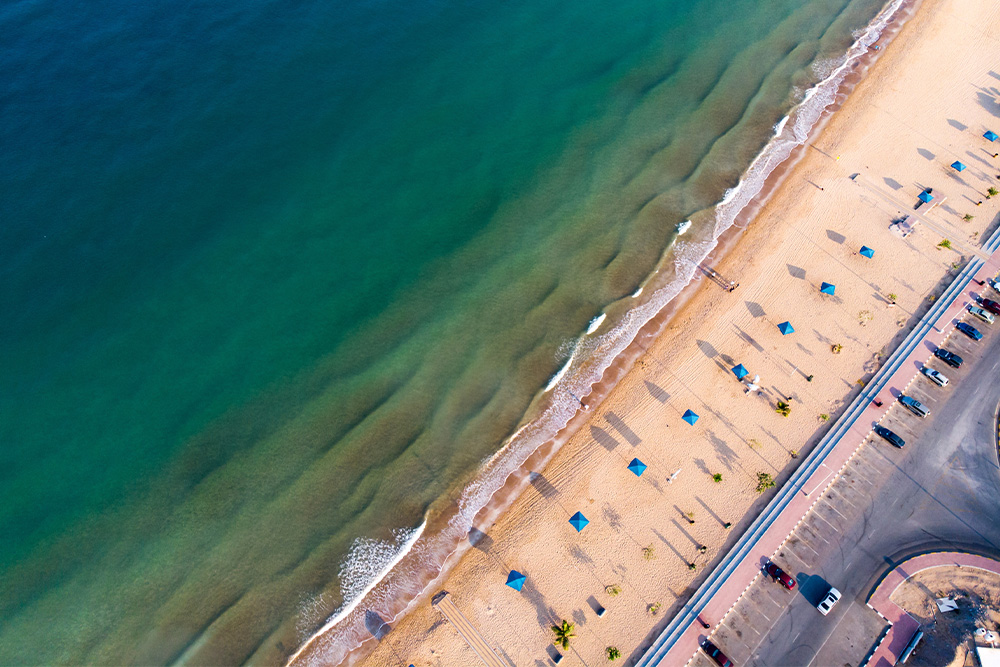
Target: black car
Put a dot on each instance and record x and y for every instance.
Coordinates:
(969, 330)
(949, 358)
(715, 654)
(890, 436)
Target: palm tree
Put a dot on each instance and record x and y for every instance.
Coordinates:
(563, 633)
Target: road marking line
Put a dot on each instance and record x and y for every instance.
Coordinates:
(835, 529)
(814, 531)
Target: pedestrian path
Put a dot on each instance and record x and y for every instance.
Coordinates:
(444, 603)
(903, 625)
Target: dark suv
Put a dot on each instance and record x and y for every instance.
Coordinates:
(949, 358)
(969, 330)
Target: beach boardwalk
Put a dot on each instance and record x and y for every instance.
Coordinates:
(443, 602)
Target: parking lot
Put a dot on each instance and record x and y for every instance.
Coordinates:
(841, 517)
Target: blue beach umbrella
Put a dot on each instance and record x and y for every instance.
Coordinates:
(690, 417)
(867, 252)
(515, 580)
(991, 135)
(638, 467)
(579, 521)
(740, 371)
(925, 197)
(827, 288)
(957, 166)
(785, 328)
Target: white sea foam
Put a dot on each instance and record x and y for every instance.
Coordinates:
(595, 323)
(365, 565)
(562, 371)
(683, 227)
(371, 581)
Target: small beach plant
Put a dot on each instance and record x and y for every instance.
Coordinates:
(692, 566)
(689, 516)
(717, 477)
(613, 653)
(754, 443)
(992, 192)
(891, 297)
(864, 317)
(968, 218)
(783, 409)
(653, 609)
(649, 553)
(823, 417)
(764, 482)
(836, 348)
(613, 589)
(945, 243)
(564, 633)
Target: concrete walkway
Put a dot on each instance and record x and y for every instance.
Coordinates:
(905, 626)
(679, 640)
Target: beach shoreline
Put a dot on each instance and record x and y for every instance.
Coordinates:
(724, 256)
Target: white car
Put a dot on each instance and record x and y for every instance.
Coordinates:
(981, 314)
(935, 376)
(832, 597)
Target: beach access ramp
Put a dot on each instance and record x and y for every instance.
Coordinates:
(446, 605)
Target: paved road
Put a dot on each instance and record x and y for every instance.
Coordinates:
(941, 491)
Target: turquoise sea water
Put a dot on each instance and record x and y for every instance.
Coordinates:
(279, 276)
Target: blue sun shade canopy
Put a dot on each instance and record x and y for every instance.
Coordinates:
(740, 371)
(516, 580)
(925, 197)
(958, 166)
(991, 135)
(867, 252)
(579, 521)
(785, 328)
(690, 417)
(827, 288)
(637, 466)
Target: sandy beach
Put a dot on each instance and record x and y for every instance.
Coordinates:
(925, 102)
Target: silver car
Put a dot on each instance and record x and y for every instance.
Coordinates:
(935, 376)
(981, 314)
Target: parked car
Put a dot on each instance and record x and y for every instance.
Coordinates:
(949, 358)
(934, 376)
(992, 282)
(779, 575)
(969, 330)
(715, 654)
(990, 305)
(981, 314)
(832, 597)
(914, 406)
(889, 436)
